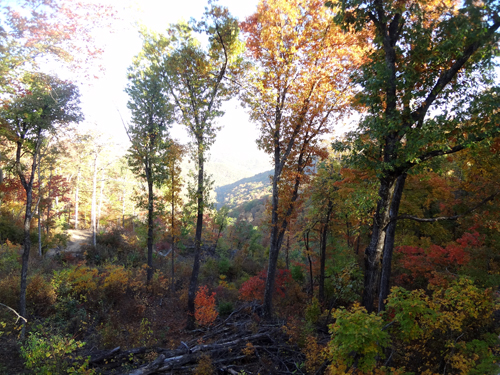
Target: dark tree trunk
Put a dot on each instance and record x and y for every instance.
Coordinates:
(374, 251)
(28, 188)
(150, 226)
(389, 243)
(193, 283)
(324, 235)
(49, 204)
(26, 251)
(274, 246)
(173, 229)
(311, 280)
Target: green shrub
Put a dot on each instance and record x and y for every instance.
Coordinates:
(224, 266)
(357, 336)
(225, 308)
(298, 274)
(54, 355)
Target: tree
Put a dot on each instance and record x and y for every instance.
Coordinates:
(299, 85)
(151, 114)
(428, 91)
(59, 29)
(198, 81)
(172, 195)
(43, 107)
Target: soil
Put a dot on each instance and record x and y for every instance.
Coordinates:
(78, 237)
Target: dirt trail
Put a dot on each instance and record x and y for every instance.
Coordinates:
(77, 238)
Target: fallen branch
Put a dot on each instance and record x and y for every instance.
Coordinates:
(15, 312)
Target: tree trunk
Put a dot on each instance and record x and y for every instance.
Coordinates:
(123, 206)
(39, 213)
(324, 235)
(193, 284)
(173, 236)
(150, 226)
(374, 251)
(274, 247)
(389, 243)
(26, 255)
(49, 204)
(77, 191)
(311, 280)
(100, 202)
(28, 188)
(93, 214)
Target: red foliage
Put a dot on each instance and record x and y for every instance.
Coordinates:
(428, 263)
(253, 288)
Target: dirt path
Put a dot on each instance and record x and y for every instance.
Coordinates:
(77, 238)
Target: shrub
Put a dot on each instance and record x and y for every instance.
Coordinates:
(10, 258)
(40, 295)
(53, 355)
(298, 274)
(253, 288)
(205, 312)
(356, 336)
(454, 325)
(225, 308)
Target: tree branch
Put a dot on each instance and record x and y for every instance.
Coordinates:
(15, 312)
(442, 218)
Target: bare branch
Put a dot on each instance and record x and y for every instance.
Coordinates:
(442, 218)
(15, 312)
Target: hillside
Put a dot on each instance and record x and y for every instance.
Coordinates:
(243, 191)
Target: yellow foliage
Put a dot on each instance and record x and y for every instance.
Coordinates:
(205, 366)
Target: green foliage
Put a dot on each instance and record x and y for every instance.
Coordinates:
(298, 274)
(344, 284)
(10, 258)
(225, 308)
(54, 354)
(313, 311)
(224, 266)
(357, 337)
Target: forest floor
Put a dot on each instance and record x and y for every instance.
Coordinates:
(77, 238)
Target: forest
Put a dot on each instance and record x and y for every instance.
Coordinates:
(371, 247)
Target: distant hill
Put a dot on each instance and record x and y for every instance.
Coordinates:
(244, 191)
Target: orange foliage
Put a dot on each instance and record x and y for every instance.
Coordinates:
(205, 312)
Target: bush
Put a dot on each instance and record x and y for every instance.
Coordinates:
(10, 258)
(359, 333)
(225, 308)
(205, 312)
(53, 355)
(40, 295)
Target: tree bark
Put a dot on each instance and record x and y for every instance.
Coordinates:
(39, 213)
(389, 243)
(193, 284)
(324, 235)
(150, 223)
(77, 192)
(374, 251)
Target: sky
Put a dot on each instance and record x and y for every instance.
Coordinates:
(104, 100)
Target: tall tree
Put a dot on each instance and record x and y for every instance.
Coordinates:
(148, 132)
(172, 196)
(198, 80)
(43, 106)
(428, 92)
(299, 86)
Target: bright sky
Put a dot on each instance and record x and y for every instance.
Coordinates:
(102, 99)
